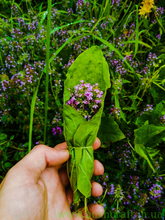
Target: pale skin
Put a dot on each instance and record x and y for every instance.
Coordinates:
(37, 187)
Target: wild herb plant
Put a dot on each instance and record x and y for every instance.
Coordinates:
(130, 35)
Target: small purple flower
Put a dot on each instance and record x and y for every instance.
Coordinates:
(80, 87)
(158, 36)
(90, 89)
(95, 106)
(72, 99)
(76, 87)
(89, 98)
(88, 94)
(76, 102)
(89, 116)
(98, 101)
(57, 130)
(54, 130)
(99, 96)
(96, 90)
(69, 102)
(87, 85)
(85, 102)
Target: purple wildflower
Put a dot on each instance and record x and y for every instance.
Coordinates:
(85, 102)
(76, 102)
(95, 106)
(98, 101)
(99, 96)
(57, 130)
(96, 90)
(88, 94)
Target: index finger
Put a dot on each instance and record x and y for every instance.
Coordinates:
(63, 146)
(97, 144)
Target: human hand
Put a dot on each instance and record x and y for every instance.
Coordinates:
(37, 187)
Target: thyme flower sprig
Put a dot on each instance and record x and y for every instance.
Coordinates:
(86, 99)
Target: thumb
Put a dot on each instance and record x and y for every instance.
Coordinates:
(35, 162)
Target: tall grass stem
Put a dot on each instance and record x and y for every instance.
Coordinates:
(47, 66)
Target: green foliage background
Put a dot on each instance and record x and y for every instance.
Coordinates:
(132, 122)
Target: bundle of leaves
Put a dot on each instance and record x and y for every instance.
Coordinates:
(80, 134)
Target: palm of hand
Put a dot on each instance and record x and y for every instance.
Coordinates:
(45, 198)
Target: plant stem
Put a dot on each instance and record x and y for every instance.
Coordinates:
(47, 66)
(75, 207)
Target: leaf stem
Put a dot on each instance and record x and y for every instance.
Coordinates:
(131, 146)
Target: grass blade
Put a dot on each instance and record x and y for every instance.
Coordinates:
(31, 114)
(71, 3)
(45, 13)
(40, 8)
(140, 42)
(123, 18)
(57, 28)
(47, 67)
(136, 33)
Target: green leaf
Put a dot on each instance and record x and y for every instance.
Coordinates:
(146, 23)
(104, 145)
(72, 121)
(125, 81)
(17, 156)
(4, 118)
(40, 8)
(146, 132)
(140, 121)
(157, 111)
(12, 137)
(7, 164)
(109, 131)
(143, 135)
(3, 137)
